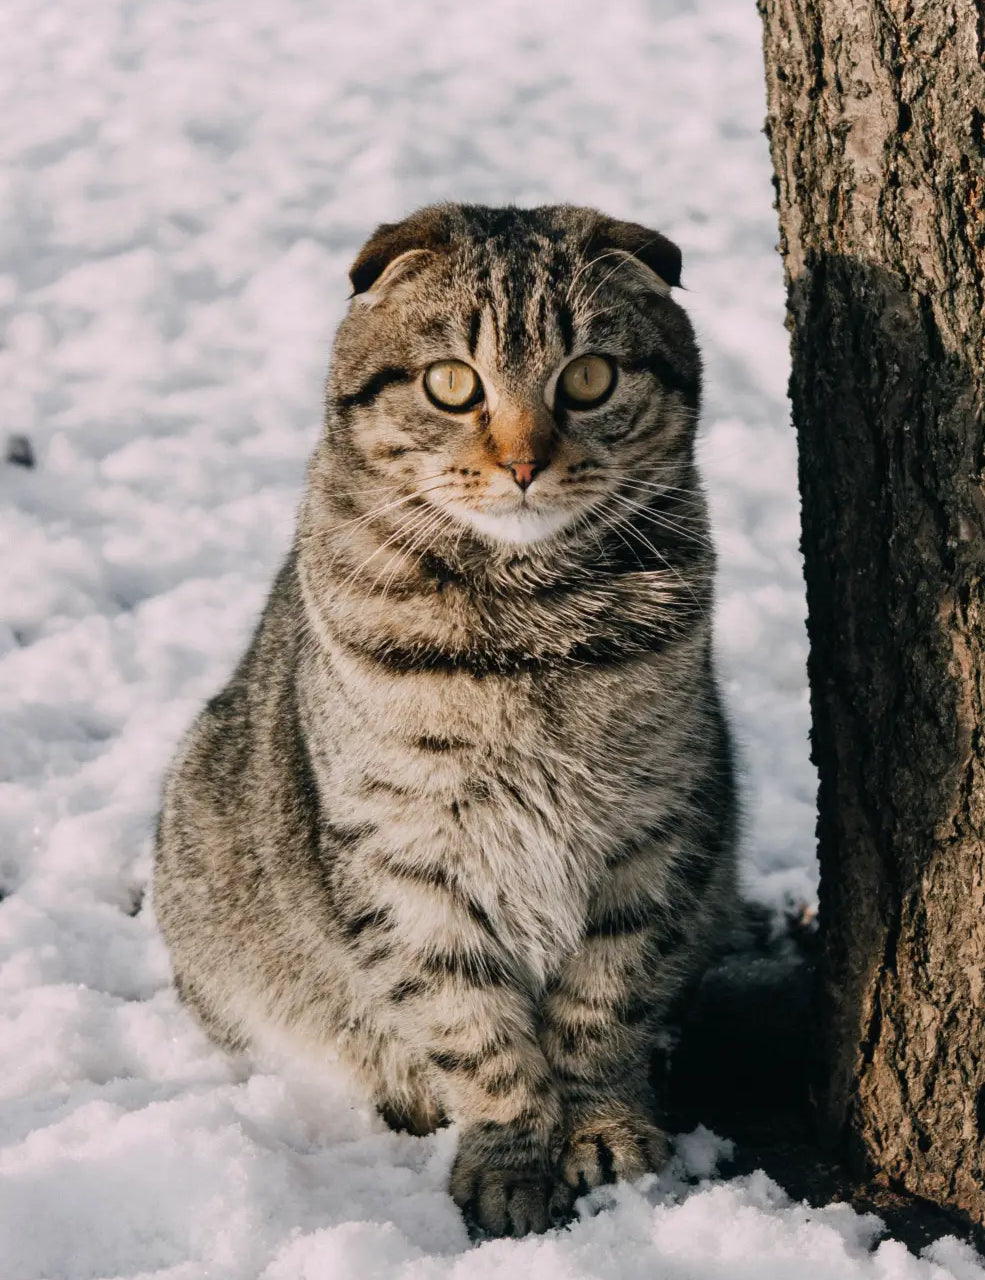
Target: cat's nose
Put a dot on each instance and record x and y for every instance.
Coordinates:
(524, 472)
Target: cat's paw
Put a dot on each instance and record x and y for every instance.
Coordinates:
(504, 1194)
(512, 1202)
(603, 1148)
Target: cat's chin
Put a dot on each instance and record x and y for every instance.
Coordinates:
(519, 527)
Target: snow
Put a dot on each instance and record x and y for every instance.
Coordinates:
(184, 186)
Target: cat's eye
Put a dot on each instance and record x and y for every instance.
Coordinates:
(452, 384)
(586, 381)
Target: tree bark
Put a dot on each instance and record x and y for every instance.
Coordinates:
(876, 120)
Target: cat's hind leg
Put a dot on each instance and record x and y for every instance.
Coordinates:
(399, 1083)
(418, 1114)
(406, 1100)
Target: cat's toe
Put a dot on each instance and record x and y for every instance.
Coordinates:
(603, 1150)
(500, 1194)
(513, 1202)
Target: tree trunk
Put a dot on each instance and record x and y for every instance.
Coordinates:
(877, 129)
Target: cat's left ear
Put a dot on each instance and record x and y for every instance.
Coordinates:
(650, 248)
(396, 249)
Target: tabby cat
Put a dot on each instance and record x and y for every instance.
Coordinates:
(464, 813)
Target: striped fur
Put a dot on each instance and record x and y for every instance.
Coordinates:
(465, 810)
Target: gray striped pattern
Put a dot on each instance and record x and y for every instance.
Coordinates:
(464, 813)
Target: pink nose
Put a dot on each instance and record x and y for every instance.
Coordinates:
(524, 472)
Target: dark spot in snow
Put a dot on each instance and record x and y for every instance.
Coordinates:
(19, 451)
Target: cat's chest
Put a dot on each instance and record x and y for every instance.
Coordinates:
(519, 848)
(477, 789)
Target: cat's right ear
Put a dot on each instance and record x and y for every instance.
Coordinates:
(397, 250)
(658, 254)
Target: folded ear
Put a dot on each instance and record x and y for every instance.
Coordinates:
(655, 251)
(425, 231)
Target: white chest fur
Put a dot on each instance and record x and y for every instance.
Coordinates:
(455, 779)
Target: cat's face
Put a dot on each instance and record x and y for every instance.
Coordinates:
(516, 373)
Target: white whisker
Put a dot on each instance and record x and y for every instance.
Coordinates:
(634, 532)
(689, 535)
(423, 522)
(609, 253)
(440, 520)
(358, 521)
(372, 556)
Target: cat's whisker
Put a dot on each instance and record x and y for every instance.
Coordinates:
(651, 478)
(389, 488)
(608, 523)
(626, 258)
(358, 521)
(675, 496)
(643, 506)
(635, 532)
(463, 529)
(626, 261)
(701, 539)
(394, 486)
(585, 520)
(372, 556)
(427, 518)
(586, 320)
(625, 477)
(440, 520)
(674, 491)
(688, 517)
(591, 262)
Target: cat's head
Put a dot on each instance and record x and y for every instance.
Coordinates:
(514, 368)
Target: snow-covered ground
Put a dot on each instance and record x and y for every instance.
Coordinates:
(184, 185)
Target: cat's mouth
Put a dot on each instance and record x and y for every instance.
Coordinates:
(518, 524)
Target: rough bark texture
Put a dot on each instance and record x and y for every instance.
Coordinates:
(877, 128)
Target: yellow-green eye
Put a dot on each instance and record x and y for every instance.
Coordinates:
(451, 384)
(586, 381)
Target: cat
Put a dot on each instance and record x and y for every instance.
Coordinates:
(465, 813)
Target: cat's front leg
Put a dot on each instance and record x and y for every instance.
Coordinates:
(478, 1032)
(598, 1035)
